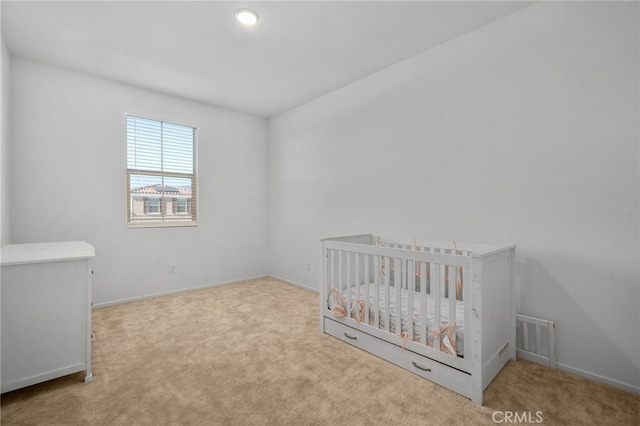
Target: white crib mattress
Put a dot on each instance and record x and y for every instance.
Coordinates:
(417, 312)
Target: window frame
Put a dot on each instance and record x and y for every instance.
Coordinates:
(162, 221)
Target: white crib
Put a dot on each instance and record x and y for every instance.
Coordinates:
(442, 310)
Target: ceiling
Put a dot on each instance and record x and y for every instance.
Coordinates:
(300, 50)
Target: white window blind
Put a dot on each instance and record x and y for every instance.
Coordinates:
(161, 173)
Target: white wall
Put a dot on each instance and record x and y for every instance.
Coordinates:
(68, 183)
(523, 131)
(5, 134)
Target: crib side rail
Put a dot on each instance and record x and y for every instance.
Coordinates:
(416, 255)
(354, 238)
(536, 340)
(439, 246)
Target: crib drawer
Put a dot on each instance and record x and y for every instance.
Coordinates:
(352, 336)
(435, 371)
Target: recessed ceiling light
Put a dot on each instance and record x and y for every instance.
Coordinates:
(247, 16)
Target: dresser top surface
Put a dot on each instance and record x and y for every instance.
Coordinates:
(16, 254)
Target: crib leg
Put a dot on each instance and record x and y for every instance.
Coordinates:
(476, 397)
(476, 387)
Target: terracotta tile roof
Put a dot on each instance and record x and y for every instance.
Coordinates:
(161, 189)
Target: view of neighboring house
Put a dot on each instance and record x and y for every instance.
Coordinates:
(160, 202)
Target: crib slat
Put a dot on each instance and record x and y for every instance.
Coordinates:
(376, 289)
(411, 291)
(404, 265)
(538, 340)
(357, 278)
(348, 283)
(328, 279)
(340, 269)
(332, 262)
(525, 336)
(366, 288)
(397, 284)
(452, 294)
(423, 302)
(429, 277)
(552, 344)
(387, 296)
(466, 298)
(435, 289)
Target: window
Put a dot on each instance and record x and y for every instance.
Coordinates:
(180, 206)
(161, 173)
(153, 206)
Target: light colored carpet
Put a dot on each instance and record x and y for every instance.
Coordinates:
(251, 354)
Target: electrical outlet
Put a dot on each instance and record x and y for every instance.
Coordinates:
(173, 269)
(308, 266)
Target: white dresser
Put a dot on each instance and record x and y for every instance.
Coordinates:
(46, 312)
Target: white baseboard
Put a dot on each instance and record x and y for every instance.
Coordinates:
(538, 359)
(181, 290)
(598, 378)
(295, 284)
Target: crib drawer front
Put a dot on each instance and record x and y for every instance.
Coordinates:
(435, 371)
(352, 336)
